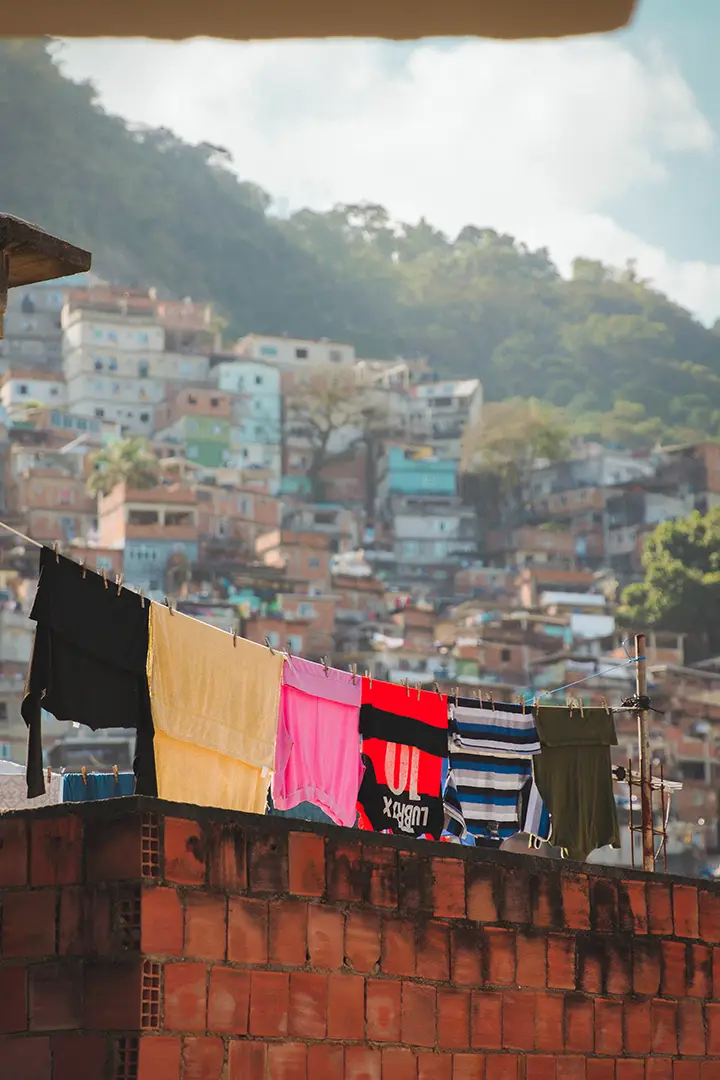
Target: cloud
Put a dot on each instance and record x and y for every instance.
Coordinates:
(536, 139)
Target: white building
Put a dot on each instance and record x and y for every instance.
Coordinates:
(21, 390)
(296, 354)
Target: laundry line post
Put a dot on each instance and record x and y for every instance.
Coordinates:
(646, 813)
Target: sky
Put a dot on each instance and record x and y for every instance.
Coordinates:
(605, 147)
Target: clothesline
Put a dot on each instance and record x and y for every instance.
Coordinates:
(27, 539)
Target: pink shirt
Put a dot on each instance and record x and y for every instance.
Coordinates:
(317, 754)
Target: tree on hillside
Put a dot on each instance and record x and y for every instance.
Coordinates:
(512, 437)
(681, 588)
(329, 415)
(123, 460)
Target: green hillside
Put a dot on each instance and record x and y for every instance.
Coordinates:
(156, 211)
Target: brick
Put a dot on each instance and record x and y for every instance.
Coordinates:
(691, 1029)
(466, 956)
(659, 900)
(571, 1068)
(25, 1059)
(712, 1021)
(113, 850)
(658, 1068)
(531, 961)
(203, 1058)
(486, 1020)
(13, 853)
(185, 851)
(433, 951)
(664, 1022)
(716, 973)
(449, 888)
(415, 883)
(619, 970)
(86, 923)
(306, 855)
(633, 897)
(608, 1026)
(13, 994)
(600, 1069)
(185, 988)
(56, 851)
(708, 910)
(674, 973)
(325, 937)
(55, 996)
(481, 889)
(630, 1070)
(159, 1057)
(268, 864)
(362, 1063)
(248, 922)
(579, 1024)
(518, 1020)
(380, 873)
(500, 951)
(604, 912)
(646, 966)
(383, 1010)
(28, 924)
(205, 926)
(709, 1070)
(685, 911)
(287, 1061)
(592, 964)
(576, 901)
(501, 1067)
(79, 1057)
(434, 1066)
(561, 962)
(398, 1063)
(515, 897)
(112, 995)
(419, 1004)
(362, 940)
(161, 922)
(269, 1003)
(288, 933)
(346, 1007)
(248, 1060)
(323, 1060)
(699, 971)
(227, 858)
(546, 901)
(398, 948)
(453, 1019)
(636, 1027)
(686, 1070)
(540, 1067)
(228, 1001)
(549, 1022)
(345, 872)
(307, 1018)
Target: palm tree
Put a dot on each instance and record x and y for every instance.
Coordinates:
(130, 460)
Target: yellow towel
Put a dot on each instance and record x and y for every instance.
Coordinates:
(215, 713)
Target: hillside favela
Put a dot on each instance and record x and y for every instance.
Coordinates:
(380, 528)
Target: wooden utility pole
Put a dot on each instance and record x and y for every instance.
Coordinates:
(648, 843)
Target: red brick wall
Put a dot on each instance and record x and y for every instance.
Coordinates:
(210, 946)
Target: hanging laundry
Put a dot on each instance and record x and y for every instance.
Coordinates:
(14, 794)
(214, 705)
(304, 811)
(317, 757)
(404, 742)
(489, 787)
(574, 778)
(88, 663)
(94, 787)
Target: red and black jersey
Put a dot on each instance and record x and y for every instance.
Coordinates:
(404, 741)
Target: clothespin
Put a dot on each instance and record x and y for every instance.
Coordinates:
(354, 674)
(104, 577)
(492, 702)
(418, 691)
(142, 597)
(437, 687)
(267, 642)
(57, 552)
(536, 702)
(368, 676)
(83, 568)
(116, 774)
(407, 687)
(477, 695)
(168, 605)
(524, 704)
(234, 633)
(457, 690)
(49, 775)
(325, 665)
(119, 583)
(582, 709)
(83, 773)
(604, 704)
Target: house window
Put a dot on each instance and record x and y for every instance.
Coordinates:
(97, 364)
(505, 655)
(274, 639)
(112, 363)
(293, 643)
(301, 354)
(192, 400)
(3, 712)
(23, 388)
(142, 517)
(258, 380)
(143, 369)
(143, 338)
(268, 350)
(214, 402)
(335, 356)
(314, 563)
(144, 417)
(53, 391)
(99, 413)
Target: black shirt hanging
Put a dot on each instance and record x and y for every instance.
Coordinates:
(88, 663)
